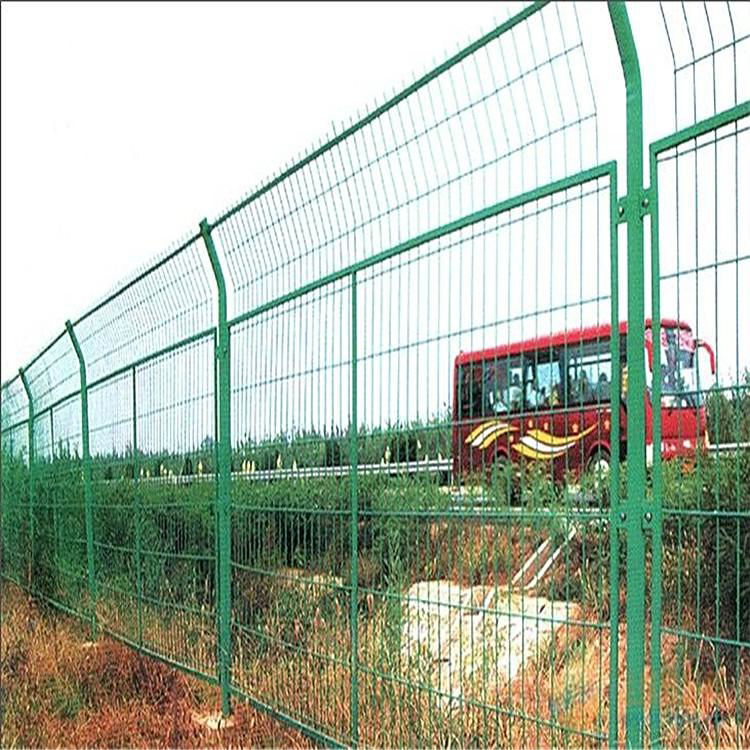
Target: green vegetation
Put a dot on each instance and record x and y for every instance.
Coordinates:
(290, 543)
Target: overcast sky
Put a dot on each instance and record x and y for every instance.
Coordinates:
(124, 124)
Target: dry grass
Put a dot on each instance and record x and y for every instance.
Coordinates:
(562, 699)
(58, 692)
(55, 691)
(300, 662)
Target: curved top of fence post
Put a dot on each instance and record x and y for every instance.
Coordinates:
(634, 718)
(164, 305)
(632, 72)
(25, 383)
(488, 120)
(221, 286)
(13, 413)
(79, 353)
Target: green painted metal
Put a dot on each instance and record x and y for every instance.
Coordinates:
(615, 506)
(354, 525)
(138, 513)
(707, 125)
(687, 527)
(537, 194)
(224, 478)
(657, 480)
(138, 278)
(292, 523)
(29, 396)
(320, 738)
(467, 51)
(87, 488)
(177, 346)
(636, 479)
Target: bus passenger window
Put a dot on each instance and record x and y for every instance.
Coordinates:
(589, 372)
(543, 388)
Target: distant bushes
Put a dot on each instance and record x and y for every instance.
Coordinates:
(409, 527)
(729, 418)
(706, 541)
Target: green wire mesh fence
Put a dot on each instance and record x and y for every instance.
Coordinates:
(371, 449)
(701, 266)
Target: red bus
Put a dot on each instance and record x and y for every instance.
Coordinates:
(548, 400)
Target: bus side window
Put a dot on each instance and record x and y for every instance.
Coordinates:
(469, 391)
(477, 390)
(494, 399)
(589, 373)
(543, 386)
(514, 379)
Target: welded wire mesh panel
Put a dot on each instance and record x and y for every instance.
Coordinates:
(427, 412)
(513, 111)
(15, 508)
(485, 599)
(176, 491)
(169, 301)
(58, 543)
(114, 477)
(710, 48)
(15, 483)
(291, 547)
(54, 374)
(14, 403)
(368, 211)
(149, 352)
(701, 383)
(60, 563)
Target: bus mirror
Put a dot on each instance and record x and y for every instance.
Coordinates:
(711, 355)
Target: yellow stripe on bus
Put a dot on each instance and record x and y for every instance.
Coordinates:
(547, 439)
(482, 427)
(524, 450)
(495, 434)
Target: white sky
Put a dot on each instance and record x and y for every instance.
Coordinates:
(124, 124)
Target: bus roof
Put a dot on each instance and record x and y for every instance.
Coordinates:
(563, 338)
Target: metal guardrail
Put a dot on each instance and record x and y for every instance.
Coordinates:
(402, 468)
(722, 447)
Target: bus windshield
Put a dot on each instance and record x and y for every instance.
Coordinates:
(680, 386)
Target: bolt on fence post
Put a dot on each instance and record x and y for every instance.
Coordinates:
(224, 476)
(26, 388)
(636, 429)
(354, 527)
(87, 489)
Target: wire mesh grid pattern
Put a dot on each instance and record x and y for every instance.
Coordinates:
(367, 450)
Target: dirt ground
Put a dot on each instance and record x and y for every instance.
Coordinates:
(57, 690)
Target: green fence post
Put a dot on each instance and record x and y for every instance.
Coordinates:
(26, 387)
(55, 504)
(633, 516)
(354, 528)
(88, 498)
(614, 492)
(224, 476)
(656, 472)
(138, 515)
